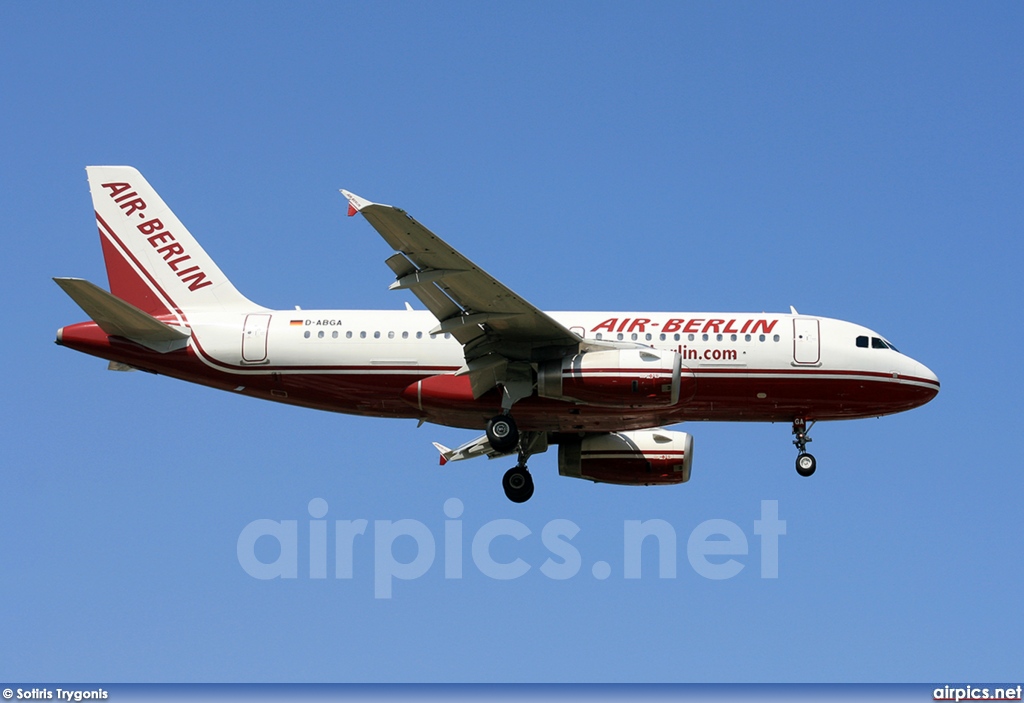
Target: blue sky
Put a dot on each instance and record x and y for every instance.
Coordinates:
(861, 161)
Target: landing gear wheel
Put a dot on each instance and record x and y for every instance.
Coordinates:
(502, 433)
(805, 464)
(518, 484)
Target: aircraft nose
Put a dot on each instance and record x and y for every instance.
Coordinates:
(924, 375)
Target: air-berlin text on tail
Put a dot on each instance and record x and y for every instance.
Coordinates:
(679, 324)
(160, 239)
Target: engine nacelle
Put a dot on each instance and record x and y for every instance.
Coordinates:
(627, 378)
(636, 458)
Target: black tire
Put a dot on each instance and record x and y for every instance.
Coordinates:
(502, 433)
(806, 464)
(518, 484)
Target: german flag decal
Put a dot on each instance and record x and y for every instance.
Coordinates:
(296, 323)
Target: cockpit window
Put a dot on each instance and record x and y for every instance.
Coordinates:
(878, 343)
(874, 343)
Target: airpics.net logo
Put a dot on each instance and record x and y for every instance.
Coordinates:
(405, 550)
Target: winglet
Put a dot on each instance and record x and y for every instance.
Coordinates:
(445, 452)
(355, 203)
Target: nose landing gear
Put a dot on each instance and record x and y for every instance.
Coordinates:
(805, 462)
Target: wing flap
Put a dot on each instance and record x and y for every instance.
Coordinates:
(485, 372)
(400, 265)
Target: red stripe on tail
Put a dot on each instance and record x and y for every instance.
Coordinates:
(128, 285)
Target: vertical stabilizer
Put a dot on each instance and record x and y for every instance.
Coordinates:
(152, 261)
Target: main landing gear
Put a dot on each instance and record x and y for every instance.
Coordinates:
(805, 463)
(502, 433)
(518, 483)
(504, 436)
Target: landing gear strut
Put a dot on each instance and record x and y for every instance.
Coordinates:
(805, 463)
(503, 436)
(517, 481)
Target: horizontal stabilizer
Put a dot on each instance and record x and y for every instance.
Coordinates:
(118, 318)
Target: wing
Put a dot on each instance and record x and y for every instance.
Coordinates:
(501, 333)
(536, 443)
(470, 450)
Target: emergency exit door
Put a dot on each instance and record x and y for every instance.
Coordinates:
(806, 342)
(254, 338)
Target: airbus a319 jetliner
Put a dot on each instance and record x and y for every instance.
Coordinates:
(600, 385)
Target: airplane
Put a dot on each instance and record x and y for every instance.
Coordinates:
(602, 386)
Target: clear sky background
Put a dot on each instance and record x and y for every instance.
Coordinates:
(862, 161)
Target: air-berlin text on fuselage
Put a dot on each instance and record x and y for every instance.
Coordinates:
(160, 239)
(679, 324)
